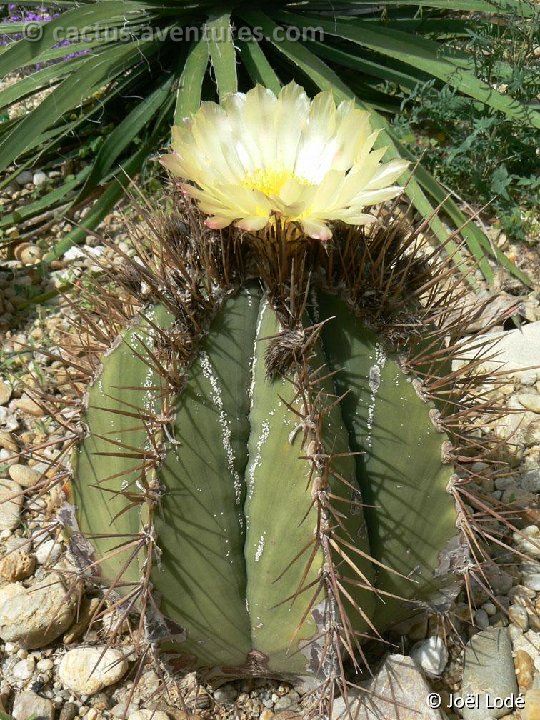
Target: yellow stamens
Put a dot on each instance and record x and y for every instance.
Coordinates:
(269, 181)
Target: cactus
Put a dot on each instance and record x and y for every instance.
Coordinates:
(267, 469)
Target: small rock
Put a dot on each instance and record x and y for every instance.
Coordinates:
(47, 552)
(68, 711)
(5, 392)
(399, 683)
(532, 581)
(27, 704)
(481, 619)
(431, 655)
(531, 710)
(88, 670)
(27, 405)
(37, 615)
(266, 715)
(39, 178)
(24, 178)
(11, 501)
(225, 694)
(45, 664)
(17, 565)
(23, 475)
(24, 669)
(287, 701)
(7, 442)
(86, 611)
(148, 715)
(488, 671)
(530, 401)
(524, 665)
(518, 615)
(28, 254)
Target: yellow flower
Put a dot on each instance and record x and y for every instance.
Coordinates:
(257, 157)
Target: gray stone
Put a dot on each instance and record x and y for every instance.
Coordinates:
(517, 351)
(225, 694)
(24, 178)
(11, 501)
(148, 715)
(488, 671)
(27, 704)
(37, 615)
(398, 691)
(88, 670)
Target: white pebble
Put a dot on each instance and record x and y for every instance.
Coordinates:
(431, 655)
(39, 178)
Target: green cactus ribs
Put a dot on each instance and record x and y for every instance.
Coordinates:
(267, 499)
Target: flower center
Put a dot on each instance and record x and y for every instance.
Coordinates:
(270, 181)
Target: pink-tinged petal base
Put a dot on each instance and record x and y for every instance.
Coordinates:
(217, 223)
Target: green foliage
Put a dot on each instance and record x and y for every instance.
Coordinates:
(137, 78)
(474, 149)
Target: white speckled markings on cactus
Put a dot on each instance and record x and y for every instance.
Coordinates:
(236, 564)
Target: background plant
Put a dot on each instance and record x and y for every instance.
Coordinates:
(138, 86)
(492, 161)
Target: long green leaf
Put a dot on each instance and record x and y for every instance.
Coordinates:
(124, 134)
(90, 76)
(25, 52)
(188, 96)
(423, 54)
(222, 54)
(257, 65)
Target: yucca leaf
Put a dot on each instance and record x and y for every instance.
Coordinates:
(222, 54)
(68, 95)
(124, 133)
(425, 55)
(257, 65)
(188, 96)
(24, 52)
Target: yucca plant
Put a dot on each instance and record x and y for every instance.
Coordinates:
(145, 63)
(275, 457)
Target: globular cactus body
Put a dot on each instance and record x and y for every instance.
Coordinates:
(266, 507)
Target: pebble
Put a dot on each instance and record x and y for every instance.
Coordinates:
(27, 704)
(28, 406)
(68, 711)
(524, 665)
(225, 694)
(7, 442)
(5, 392)
(47, 552)
(518, 615)
(39, 178)
(532, 581)
(148, 715)
(530, 401)
(481, 619)
(88, 670)
(488, 671)
(11, 501)
(37, 615)
(430, 655)
(398, 683)
(24, 669)
(287, 701)
(531, 711)
(17, 565)
(24, 178)
(23, 475)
